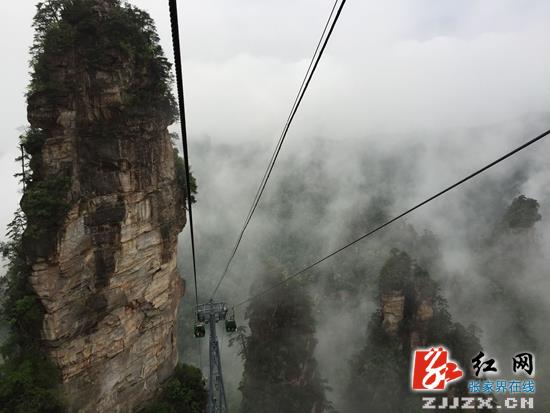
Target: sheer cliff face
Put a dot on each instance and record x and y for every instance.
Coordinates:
(106, 274)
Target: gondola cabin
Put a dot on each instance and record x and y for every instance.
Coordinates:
(230, 325)
(200, 331)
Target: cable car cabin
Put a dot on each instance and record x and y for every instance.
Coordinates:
(230, 326)
(200, 331)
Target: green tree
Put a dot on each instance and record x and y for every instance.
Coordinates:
(180, 171)
(28, 380)
(185, 392)
(102, 42)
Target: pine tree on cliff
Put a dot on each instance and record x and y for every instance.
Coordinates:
(280, 371)
(412, 314)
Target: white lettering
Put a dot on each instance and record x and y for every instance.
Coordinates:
(510, 403)
(527, 403)
(429, 402)
(468, 403)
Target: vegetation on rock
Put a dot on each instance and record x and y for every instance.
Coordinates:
(522, 213)
(185, 392)
(380, 372)
(280, 372)
(180, 171)
(75, 41)
(98, 41)
(28, 381)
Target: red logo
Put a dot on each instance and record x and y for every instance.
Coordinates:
(433, 369)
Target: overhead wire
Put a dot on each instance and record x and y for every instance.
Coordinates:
(279, 142)
(181, 103)
(321, 45)
(389, 222)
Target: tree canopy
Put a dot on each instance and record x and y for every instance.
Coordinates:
(185, 392)
(280, 371)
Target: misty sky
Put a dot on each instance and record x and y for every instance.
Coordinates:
(393, 68)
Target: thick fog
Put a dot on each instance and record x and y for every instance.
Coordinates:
(321, 188)
(410, 97)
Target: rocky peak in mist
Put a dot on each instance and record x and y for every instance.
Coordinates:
(508, 263)
(411, 314)
(522, 213)
(407, 297)
(103, 203)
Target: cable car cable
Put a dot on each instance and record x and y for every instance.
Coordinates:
(179, 81)
(444, 191)
(271, 161)
(303, 88)
(279, 143)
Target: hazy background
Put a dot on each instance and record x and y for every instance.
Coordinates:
(409, 97)
(401, 66)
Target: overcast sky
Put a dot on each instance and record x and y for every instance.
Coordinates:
(398, 66)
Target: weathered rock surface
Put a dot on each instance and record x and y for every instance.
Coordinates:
(393, 313)
(406, 303)
(108, 279)
(393, 304)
